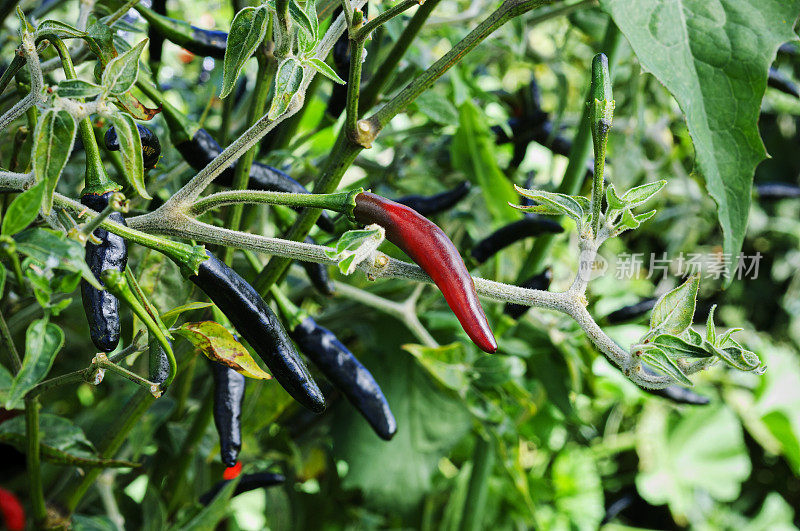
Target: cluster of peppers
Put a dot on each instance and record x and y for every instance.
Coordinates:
(405, 226)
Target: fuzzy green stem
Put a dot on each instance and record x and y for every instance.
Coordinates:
(364, 32)
(475, 503)
(576, 167)
(8, 345)
(601, 113)
(338, 202)
(292, 315)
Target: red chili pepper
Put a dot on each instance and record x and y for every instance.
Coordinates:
(232, 472)
(12, 511)
(432, 250)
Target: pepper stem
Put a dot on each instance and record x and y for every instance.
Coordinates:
(290, 313)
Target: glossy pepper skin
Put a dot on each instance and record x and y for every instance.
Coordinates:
(257, 323)
(539, 281)
(202, 42)
(432, 250)
(433, 204)
(102, 308)
(512, 233)
(202, 149)
(247, 483)
(158, 362)
(630, 312)
(347, 374)
(156, 46)
(151, 147)
(229, 388)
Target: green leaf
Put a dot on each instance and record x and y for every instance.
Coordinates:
(675, 347)
(323, 68)
(5, 384)
(673, 312)
(718, 74)
(210, 516)
(711, 329)
(219, 345)
(59, 29)
(659, 360)
(43, 340)
(437, 107)
(552, 203)
(53, 250)
(77, 88)
(577, 488)
(171, 316)
(248, 29)
(447, 364)
(130, 148)
(473, 154)
(355, 246)
(614, 201)
(52, 144)
(299, 16)
(56, 456)
(685, 458)
(100, 40)
(642, 194)
(121, 73)
(287, 82)
(23, 210)
(55, 431)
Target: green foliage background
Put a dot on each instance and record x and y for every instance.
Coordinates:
(552, 433)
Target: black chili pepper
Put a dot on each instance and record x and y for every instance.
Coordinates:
(151, 147)
(630, 312)
(539, 281)
(229, 388)
(777, 190)
(346, 373)
(433, 204)
(101, 307)
(156, 46)
(512, 233)
(780, 81)
(202, 42)
(247, 483)
(257, 323)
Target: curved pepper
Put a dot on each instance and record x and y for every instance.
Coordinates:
(102, 308)
(151, 147)
(346, 373)
(202, 42)
(257, 323)
(341, 64)
(676, 393)
(773, 191)
(539, 281)
(432, 250)
(229, 388)
(158, 362)
(433, 204)
(632, 311)
(512, 233)
(247, 483)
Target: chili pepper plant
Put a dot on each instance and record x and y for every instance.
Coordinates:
(398, 232)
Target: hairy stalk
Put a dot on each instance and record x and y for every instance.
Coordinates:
(33, 459)
(34, 97)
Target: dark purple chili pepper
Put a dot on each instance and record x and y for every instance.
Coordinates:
(151, 147)
(512, 233)
(433, 204)
(229, 388)
(258, 325)
(101, 307)
(158, 361)
(202, 42)
(774, 191)
(346, 373)
(676, 393)
(780, 81)
(630, 312)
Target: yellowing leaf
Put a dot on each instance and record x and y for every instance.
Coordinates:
(219, 345)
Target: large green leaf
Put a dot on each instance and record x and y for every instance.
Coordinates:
(681, 457)
(713, 56)
(53, 250)
(43, 340)
(430, 421)
(473, 154)
(248, 29)
(52, 144)
(577, 488)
